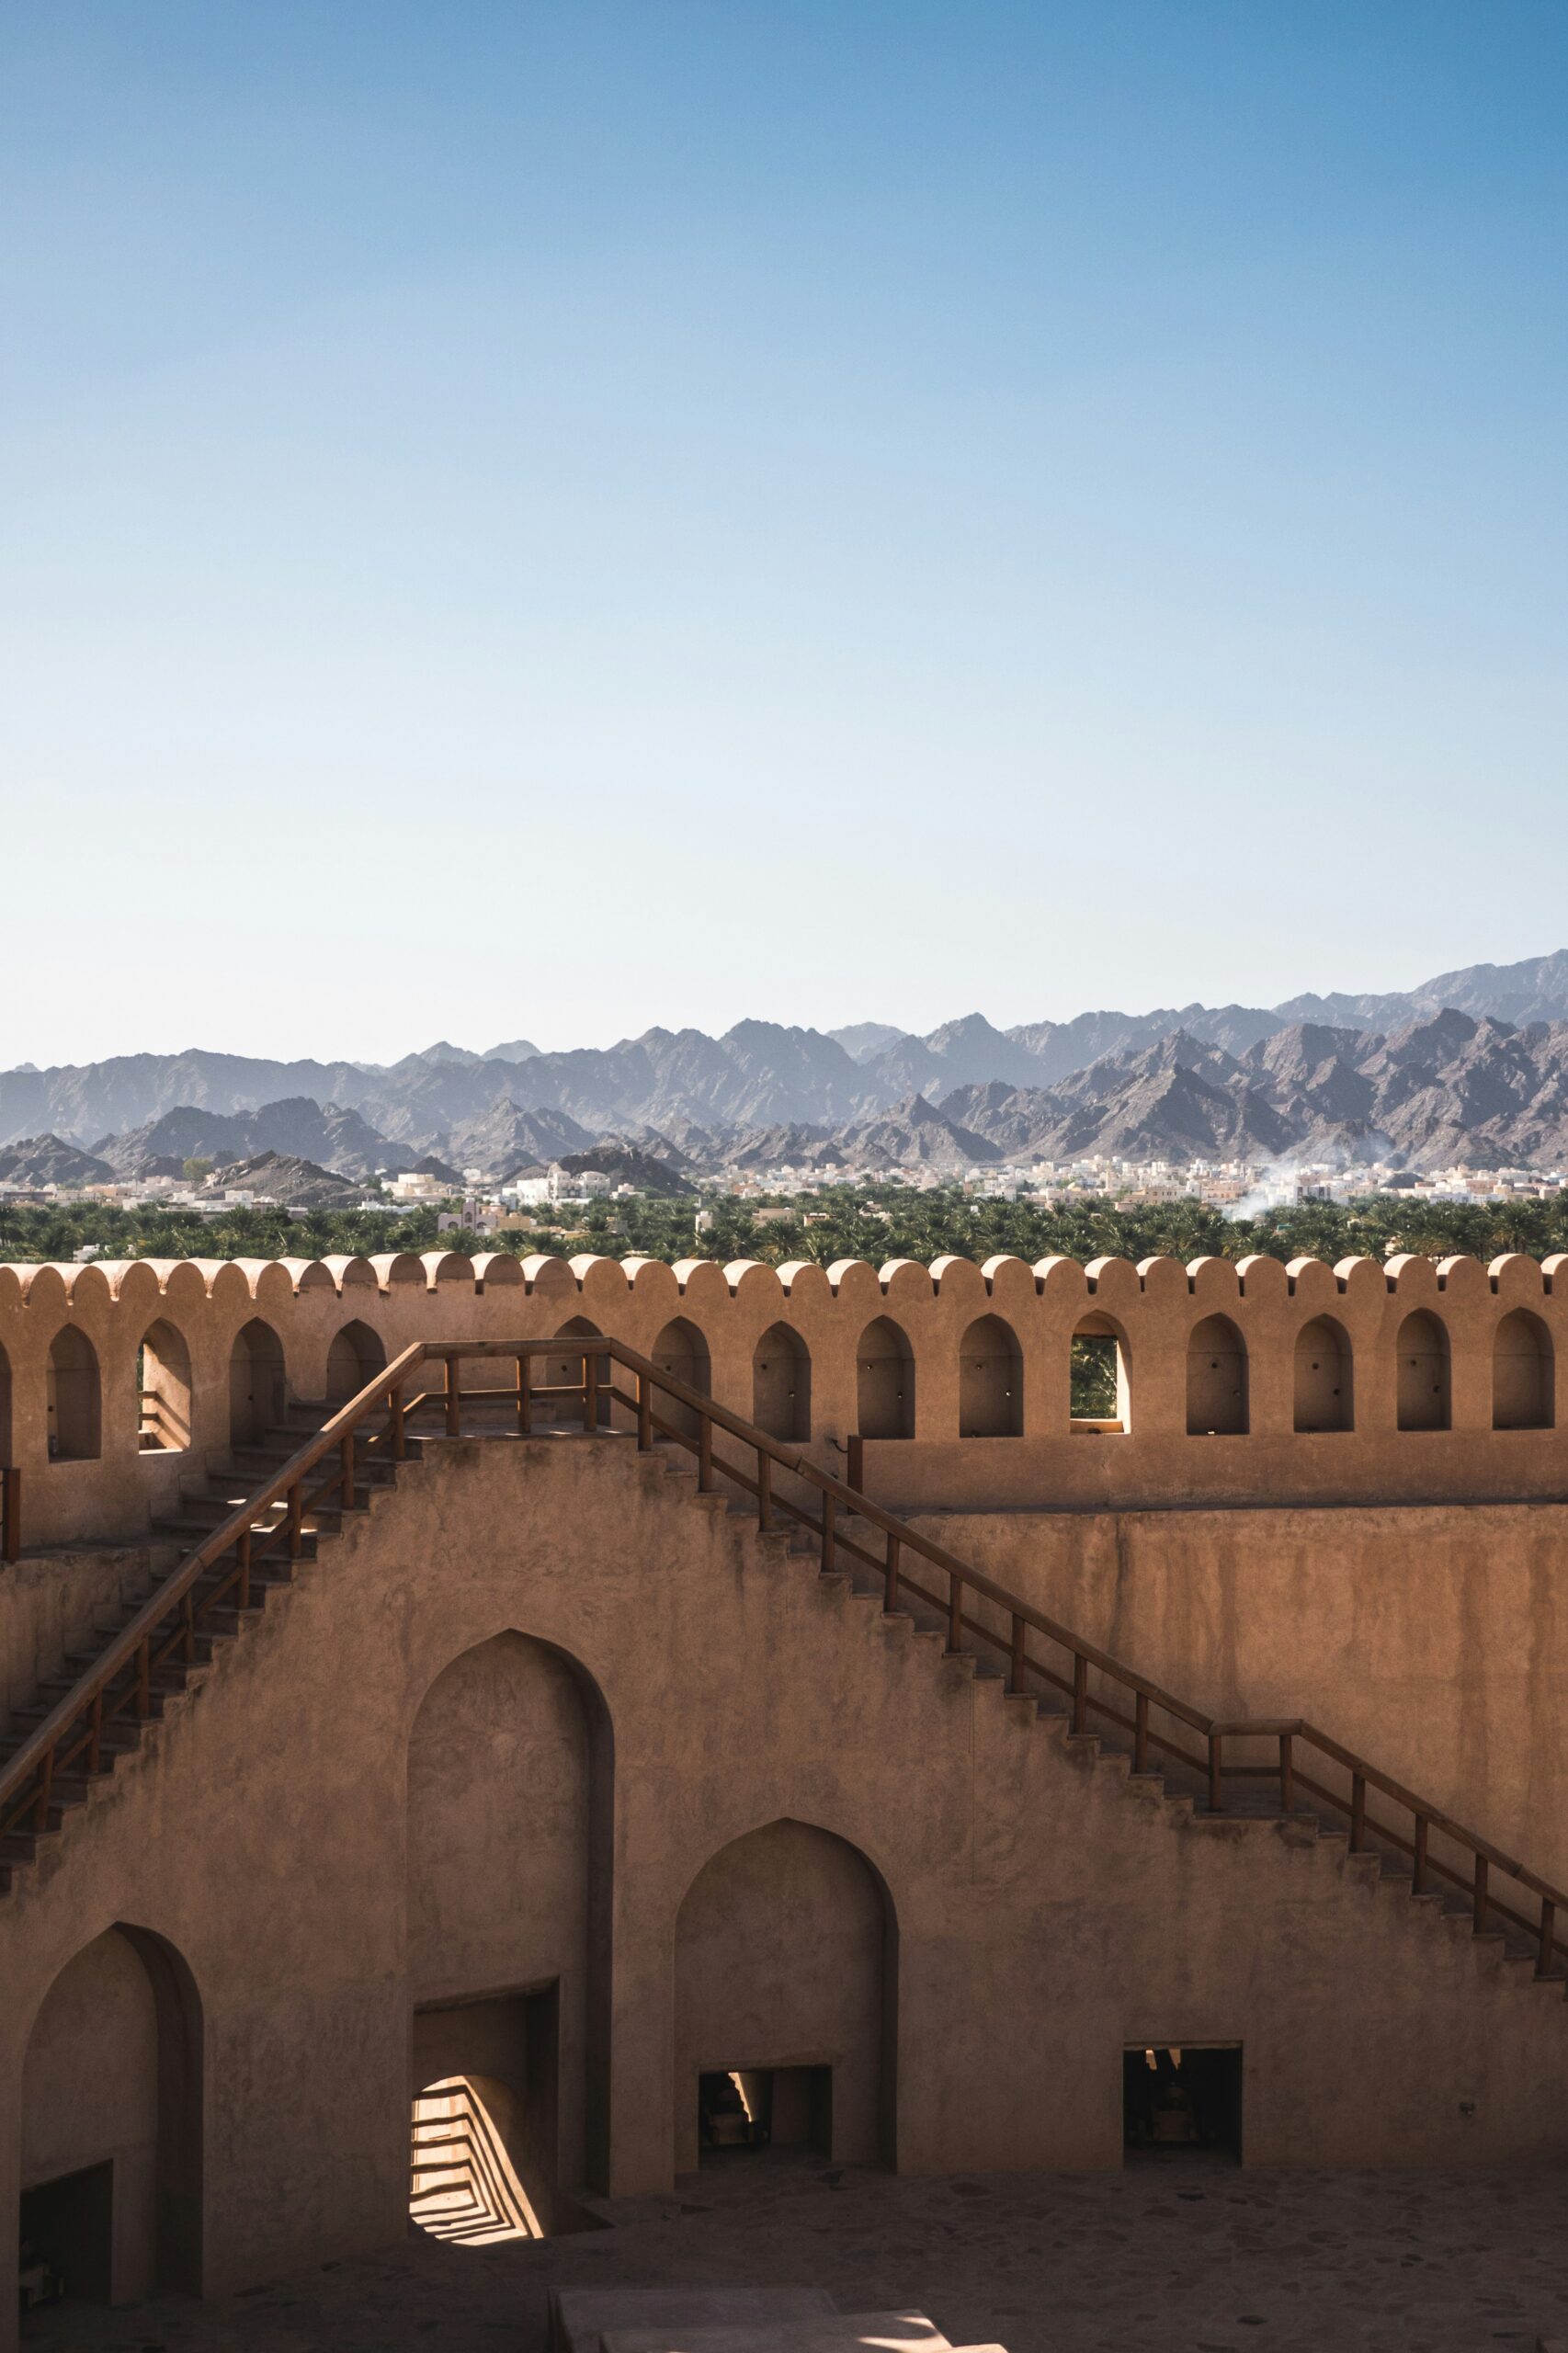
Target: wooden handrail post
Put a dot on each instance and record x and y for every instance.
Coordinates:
(10, 1512)
(1080, 1718)
(1358, 1812)
(704, 1454)
(242, 1553)
(1422, 1829)
(645, 1414)
(590, 1390)
(145, 1676)
(188, 1629)
(45, 1786)
(346, 1475)
(764, 1488)
(955, 1610)
(1548, 1936)
(1215, 1772)
(454, 1399)
(399, 1433)
(829, 1533)
(296, 1520)
(1015, 1664)
(525, 1396)
(1140, 1732)
(1287, 1776)
(1478, 1898)
(95, 1744)
(857, 1452)
(890, 1574)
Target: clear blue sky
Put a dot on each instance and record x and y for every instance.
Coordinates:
(540, 519)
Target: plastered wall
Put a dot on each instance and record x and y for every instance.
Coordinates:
(1458, 1364)
(1037, 1906)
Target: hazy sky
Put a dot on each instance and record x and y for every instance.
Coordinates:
(541, 519)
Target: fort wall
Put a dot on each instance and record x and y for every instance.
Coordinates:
(1043, 1913)
(1241, 1383)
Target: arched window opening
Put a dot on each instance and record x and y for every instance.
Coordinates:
(1423, 1347)
(258, 1396)
(885, 1381)
(682, 1352)
(1101, 1380)
(782, 1384)
(1523, 1374)
(767, 2051)
(355, 1357)
(1216, 1380)
(991, 1380)
(163, 1388)
(565, 1371)
(1324, 1397)
(111, 2128)
(73, 1397)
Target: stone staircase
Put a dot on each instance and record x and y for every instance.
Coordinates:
(208, 1503)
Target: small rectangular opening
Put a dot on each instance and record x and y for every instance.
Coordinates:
(67, 2242)
(765, 2108)
(1181, 2101)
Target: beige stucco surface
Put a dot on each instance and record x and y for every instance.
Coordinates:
(266, 1836)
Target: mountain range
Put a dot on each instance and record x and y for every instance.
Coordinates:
(1470, 1066)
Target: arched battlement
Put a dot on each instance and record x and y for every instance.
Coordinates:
(1500, 1440)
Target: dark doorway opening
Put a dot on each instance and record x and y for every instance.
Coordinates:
(1182, 2101)
(68, 2238)
(765, 2108)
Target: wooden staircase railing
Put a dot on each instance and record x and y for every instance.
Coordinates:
(1033, 1648)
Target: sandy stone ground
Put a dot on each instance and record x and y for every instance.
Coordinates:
(1183, 2257)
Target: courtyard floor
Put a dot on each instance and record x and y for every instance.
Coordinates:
(1187, 2258)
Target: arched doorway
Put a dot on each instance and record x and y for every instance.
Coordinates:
(510, 1775)
(257, 1390)
(1422, 1373)
(164, 1390)
(356, 1356)
(565, 1370)
(884, 1367)
(1522, 1374)
(111, 2126)
(1216, 1380)
(682, 1352)
(1324, 1396)
(73, 1397)
(786, 1977)
(5, 1409)
(991, 1380)
(782, 1384)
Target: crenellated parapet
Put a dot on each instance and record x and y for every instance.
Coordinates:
(1220, 1381)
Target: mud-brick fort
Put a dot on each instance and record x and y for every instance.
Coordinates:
(668, 1709)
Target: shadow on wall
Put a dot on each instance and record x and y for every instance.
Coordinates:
(1216, 1380)
(885, 1381)
(74, 1405)
(781, 1385)
(355, 1357)
(259, 1393)
(1523, 1374)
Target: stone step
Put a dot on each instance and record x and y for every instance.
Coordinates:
(906, 2331)
(579, 2317)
